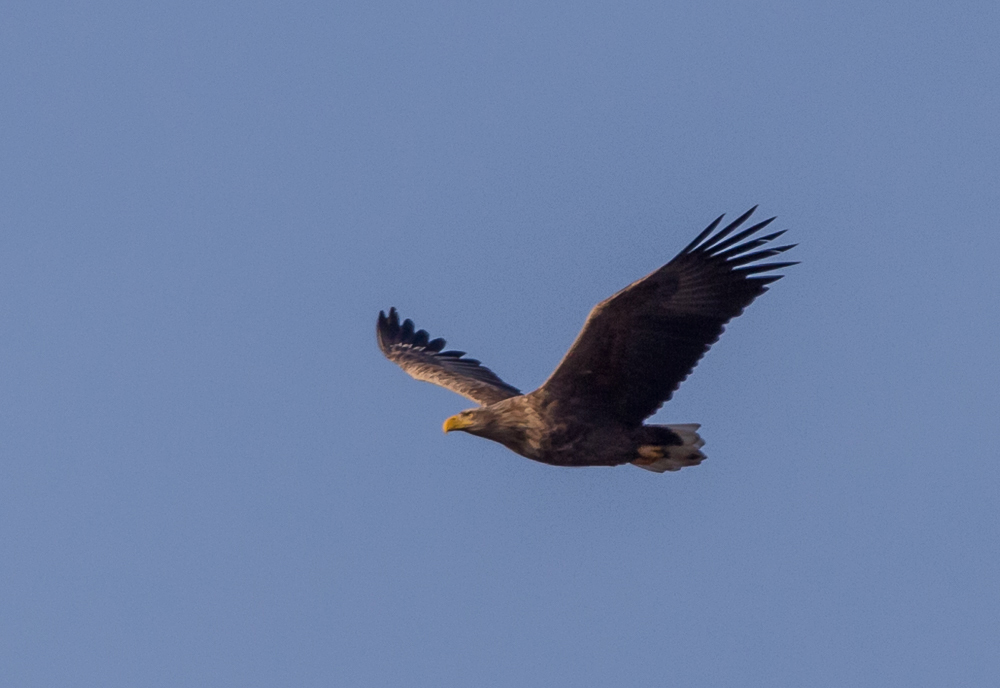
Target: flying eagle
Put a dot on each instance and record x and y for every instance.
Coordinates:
(633, 352)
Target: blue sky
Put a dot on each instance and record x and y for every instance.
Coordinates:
(209, 475)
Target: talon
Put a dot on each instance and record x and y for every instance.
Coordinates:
(651, 452)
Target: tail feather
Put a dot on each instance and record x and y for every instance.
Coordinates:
(673, 457)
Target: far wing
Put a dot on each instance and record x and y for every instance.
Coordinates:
(422, 358)
(639, 345)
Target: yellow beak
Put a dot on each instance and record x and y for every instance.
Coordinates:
(456, 423)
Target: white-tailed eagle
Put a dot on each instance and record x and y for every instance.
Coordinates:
(633, 352)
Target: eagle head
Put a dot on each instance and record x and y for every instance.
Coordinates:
(469, 421)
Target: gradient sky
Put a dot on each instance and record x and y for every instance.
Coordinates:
(209, 476)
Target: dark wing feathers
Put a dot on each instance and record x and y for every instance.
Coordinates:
(704, 233)
(422, 358)
(725, 231)
(639, 345)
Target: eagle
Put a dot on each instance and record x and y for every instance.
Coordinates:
(634, 351)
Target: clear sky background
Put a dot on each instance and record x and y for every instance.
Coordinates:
(209, 476)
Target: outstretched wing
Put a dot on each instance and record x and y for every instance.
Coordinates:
(421, 357)
(639, 345)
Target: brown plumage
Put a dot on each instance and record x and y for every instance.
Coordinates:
(631, 355)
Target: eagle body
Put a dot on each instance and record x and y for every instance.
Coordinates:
(537, 426)
(633, 352)
(542, 428)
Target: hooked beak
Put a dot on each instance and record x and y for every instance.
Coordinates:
(456, 423)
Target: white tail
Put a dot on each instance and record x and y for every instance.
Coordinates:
(673, 457)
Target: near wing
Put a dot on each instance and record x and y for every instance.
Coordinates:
(422, 358)
(639, 345)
